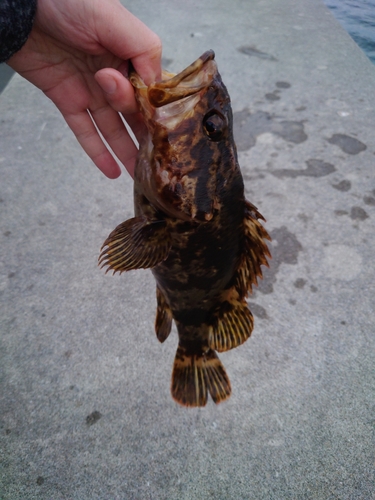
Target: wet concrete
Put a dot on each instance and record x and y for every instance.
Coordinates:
(85, 399)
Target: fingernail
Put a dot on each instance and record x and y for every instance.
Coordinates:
(108, 84)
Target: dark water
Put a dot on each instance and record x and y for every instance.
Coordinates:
(358, 19)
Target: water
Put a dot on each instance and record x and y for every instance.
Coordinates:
(358, 19)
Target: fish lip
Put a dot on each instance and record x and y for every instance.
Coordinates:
(177, 87)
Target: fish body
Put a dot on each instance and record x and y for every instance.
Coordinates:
(193, 226)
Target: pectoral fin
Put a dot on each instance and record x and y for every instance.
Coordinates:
(163, 320)
(137, 243)
(233, 326)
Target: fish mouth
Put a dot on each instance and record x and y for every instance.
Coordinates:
(172, 88)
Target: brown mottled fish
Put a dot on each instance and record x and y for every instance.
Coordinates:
(192, 226)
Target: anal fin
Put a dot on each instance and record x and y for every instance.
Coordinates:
(233, 326)
(197, 374)
(163, 320)
(138, 243)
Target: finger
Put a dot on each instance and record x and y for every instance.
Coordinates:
(130, 38)
(118, 90)
(89, 138)
(116, 135)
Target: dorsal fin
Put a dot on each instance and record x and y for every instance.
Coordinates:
(255, 251)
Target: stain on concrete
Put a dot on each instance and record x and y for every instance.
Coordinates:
(251, 50)
(291, 131)
(284, 250)
(165, 62)
(341, 212)
(93, 418)
(258, 310)
(301, 108)
(357, 213)
(39, 480)
(313, 288)
(315, 168)
(272, 96)
(248, 126)
(283, 85)
(300, 283)
(344, 185)
(349, 145)
(369, 200)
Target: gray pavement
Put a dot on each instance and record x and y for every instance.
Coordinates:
(86, 411)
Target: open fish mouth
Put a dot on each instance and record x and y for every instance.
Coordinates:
(196, 77)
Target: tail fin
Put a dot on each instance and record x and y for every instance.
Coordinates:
(195, 374)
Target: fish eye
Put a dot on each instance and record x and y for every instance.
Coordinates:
(214, 125)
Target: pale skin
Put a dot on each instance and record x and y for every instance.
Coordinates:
(77, 54)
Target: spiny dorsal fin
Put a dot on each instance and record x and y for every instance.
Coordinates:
(163, 320)
(233, 326)
(196, 374)
(137, 243)
(255, 251)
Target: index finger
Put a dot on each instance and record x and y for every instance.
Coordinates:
(130, 38)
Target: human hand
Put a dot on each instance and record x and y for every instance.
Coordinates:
(77, 54)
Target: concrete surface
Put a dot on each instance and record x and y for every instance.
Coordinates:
(86, 411)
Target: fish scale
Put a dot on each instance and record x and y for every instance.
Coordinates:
(193, 227)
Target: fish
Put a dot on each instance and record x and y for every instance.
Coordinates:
(192, 226)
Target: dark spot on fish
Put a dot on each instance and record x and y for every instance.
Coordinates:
(283, 85)
(253, 51)
(315, 168)
(284, 250)
(93, 417)
(258, 310)
(300, 283)
(247, 127)
(369, 200)
(39, 480)
(313, 288)
(272, 96)
(7, 233)
(344, 185)
(349, 145)
(357, 213)
(341, 212)
(301, 108)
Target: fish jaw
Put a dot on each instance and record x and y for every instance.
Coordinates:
(181, 163)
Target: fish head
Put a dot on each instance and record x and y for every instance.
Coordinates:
(189, 153)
